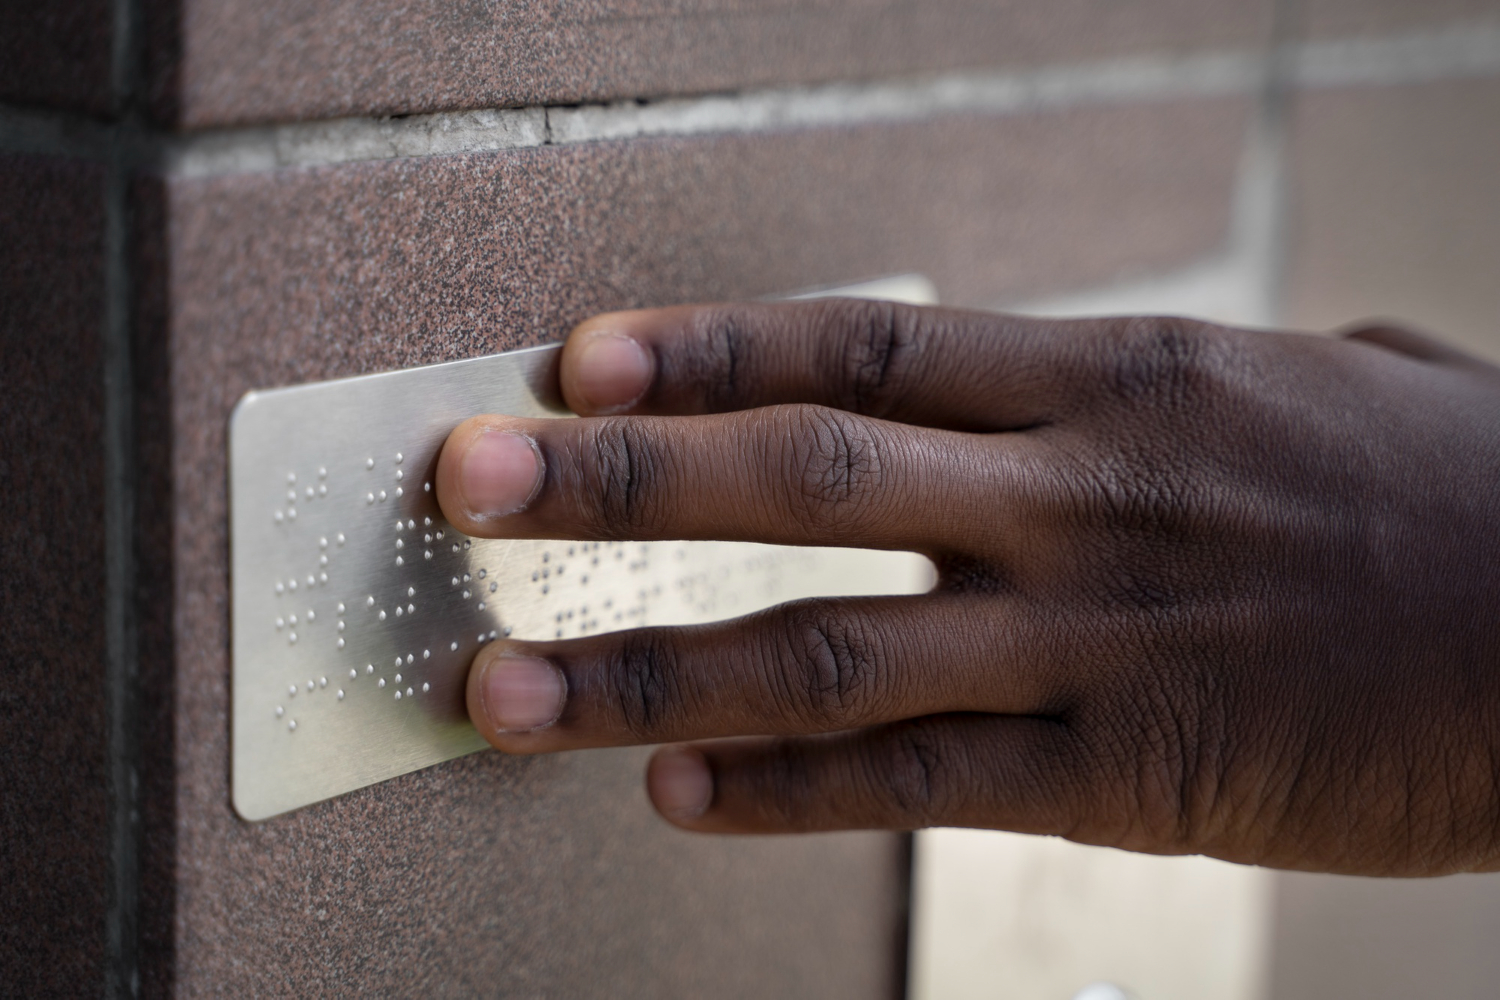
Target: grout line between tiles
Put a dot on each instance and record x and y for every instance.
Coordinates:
(122, 957)
(1453, 51)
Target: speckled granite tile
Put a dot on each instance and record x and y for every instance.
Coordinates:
(1342, 18)
(551, 877)
(1398, 209)
(222, 61)
(54, 787)
(56, 54)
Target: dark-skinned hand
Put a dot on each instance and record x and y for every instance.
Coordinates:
(1200, 590)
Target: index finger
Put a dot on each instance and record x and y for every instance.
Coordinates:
(943, 368)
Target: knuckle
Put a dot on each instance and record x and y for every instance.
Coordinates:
(717, 358)
(914, 771)
(833, 463)
(640, 681)
(615, 476)
(1163, 359)
(878, 353)
(833, 668)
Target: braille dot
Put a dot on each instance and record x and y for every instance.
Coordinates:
(293, 619)
(398, 695)
(427, 554)
(493, 633)
(426, 487)
(400, 561)
(369, 668)
(467, 543)
(341, 624)
(398, 661)
(411, 591)
(309, 685)
(494, 586)
(381, 494)
(398, 458)
(455, 584)
(508, 629)
(341, 611)
(400, 611)
(291, 691)
(466, 595)
(322, 543)
(400, 491)
(310, 580)
(426, 654)
(453, 646)
(455, 546)
(280, 622)
(292, 514)
(291, 477)
(340, 539)
(292, 725)
(322, 472)
(380, 683)
(466, 578)
(322, 577)
(398, 678)
(427, 522)
(341, 643)
(411, 524)
(322, 560)
(483, 573)
(322, 490)
(381, 616)
(481, 606)
(479, 637)
(408, 692)
(411, 608)
(309, 493)
(400, 475)
(369, 498)
(322, 682)
(410, 658)
(311, 615)
(370, 601)
(439, 535)
(427, 538)
(353, 674)
(426, 687)
(279, 517)
(291, 496)
(545, 588)
(369, 463)
(400, 543)
(280, 711)
(341, 694)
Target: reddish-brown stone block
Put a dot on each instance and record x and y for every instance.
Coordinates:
(551, 876)
(57, 54)
(222, 61)
(1396, 202)
(54, 723)
(1338, 18)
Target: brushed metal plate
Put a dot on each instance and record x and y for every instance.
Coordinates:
(357, 608)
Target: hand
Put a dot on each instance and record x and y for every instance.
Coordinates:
(1201, 590)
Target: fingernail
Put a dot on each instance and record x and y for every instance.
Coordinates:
(521, 693)
(612, 372)
(680, 783)
(500, 474)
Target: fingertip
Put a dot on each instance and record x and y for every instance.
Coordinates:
(487, 469)
(680, 784)
(606, 368)
(512, 694)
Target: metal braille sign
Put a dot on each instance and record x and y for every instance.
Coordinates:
(357, 608)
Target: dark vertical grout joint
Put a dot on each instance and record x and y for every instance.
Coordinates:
(122, 971)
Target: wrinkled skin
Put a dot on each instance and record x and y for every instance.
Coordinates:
(1201, 590)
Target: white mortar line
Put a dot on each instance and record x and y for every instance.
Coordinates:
(1454, 51)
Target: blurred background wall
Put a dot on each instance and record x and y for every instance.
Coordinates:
(200, 197)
